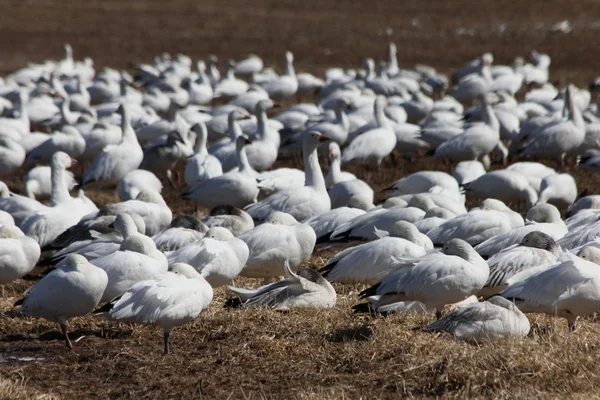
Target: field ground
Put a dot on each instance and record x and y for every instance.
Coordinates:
(254, 354)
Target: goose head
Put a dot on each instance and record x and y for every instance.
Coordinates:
(242, 141)
(150, 196)
(314, 139)
(128, 224)
(590, 253)
(405, 230)
(439, 212)
(73, 261)
(394, 202)
(219, 233)
(360, 202)
(238, 114)
(188, 222)
(61, 160)
(289, 57)
(422, 202)
(538, 240)
(10, 232)
(264, 105)
(139, 244)
(543, 213)
(281, 218)
(334, 152)
(184, 269)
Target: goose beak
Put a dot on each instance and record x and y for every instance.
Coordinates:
(330, 154)
(248, 140)
(276, 104)
(324, 138)
(247, 116)
(74, 161)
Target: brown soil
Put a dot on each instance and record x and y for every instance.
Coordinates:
(301, 354)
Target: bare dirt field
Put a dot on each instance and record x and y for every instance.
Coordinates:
(250, 354)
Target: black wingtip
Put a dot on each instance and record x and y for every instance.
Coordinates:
(326, 269)
(233, 302)
(371, 291)
(20, 302)
(108, 306)
(324, 239)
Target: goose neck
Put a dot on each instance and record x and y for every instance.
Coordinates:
(312, 170)
(60, 192)
(242, 157)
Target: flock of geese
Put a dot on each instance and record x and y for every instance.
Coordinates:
(420, 251)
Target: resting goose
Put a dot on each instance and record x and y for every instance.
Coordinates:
(201, 166)
(184, 229)
(136, 181)
(335, 174)
(226, 216)
(302, 202)
(12, 156)
(286, 85)
(304, 289)
(279, 240)
(20, 254)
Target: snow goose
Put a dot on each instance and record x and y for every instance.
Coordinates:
(218, 257)
(436, 279)
(238, 188)
(478, 225)
(6, 219)
(536, 252)
(69, 140)
(558, 139)
(16, 128)
(504, 185)
(468, 171)
(134, 182)
(533, 171)
(38, 183)
(337, 129)
(162, 156)
(20, 254)
(423, 181)
(116, 161)
(149, 205)
(262, 152)
(433, 218)
(306, 289)
(248, 100)
(225, 149)
(184, 229)
(286, 85)
(200, 91)
(476, 142)
(280, 179)
(560, 190)
(302, 202)
(543, 217)
(73, 289)
(136, 260)
(475, 84)
(12, 156)
(281, 239)
(201, 166)
(49, 222)
(341, 193)
(369, 263)
(252, 64)
(568, 290)
(374, 144)
(226, 216)
(492, 319)
(172, 299)
(230, 86)
(584, 203)
(325, 224)
(335, 174)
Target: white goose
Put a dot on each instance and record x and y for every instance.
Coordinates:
(568, 290)
(235, 220)
(286, 85)
(306, 289)
(468, 171)
(262, 152)
(230, 86)
(201, 166)
(12, 156)
(38, 182)
(325, 224)
(303, 202)
(436, 279)
(335, 174)
(281, 239)
(116, 161)
(543, 217)
(536, 252)
(237, 188)
(73, 289)
(370, 262)
(20, 254)
(503, 185)
(374, 144)
(560, 190)
(136, 260)
(218, 257)
(493, 319)
(225, 149)
(183, 230)
(136, 181)
(68, 140)
(171, 299)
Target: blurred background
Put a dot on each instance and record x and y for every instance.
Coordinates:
(444, 34)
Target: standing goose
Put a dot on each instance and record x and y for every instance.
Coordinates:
(116, 161)
(38, 182)
(374, 144)
(262, 152)
(238, 188)
(493, 319)
(536, 252)
(335, 174)
(12, 156)
(568, 290)
(73, 289)
(201, 166)
(69, 140)
(225, 149)
(436, 279)
(171, 299)
(230, 86)
(302, 202)
(286, 85)
(306, 289)
(476, 142)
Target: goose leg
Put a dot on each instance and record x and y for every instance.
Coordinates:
(572, 325)
(166, 342)
(438, 314)
(63, 328)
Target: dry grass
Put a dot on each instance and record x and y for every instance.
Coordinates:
(302, 354)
